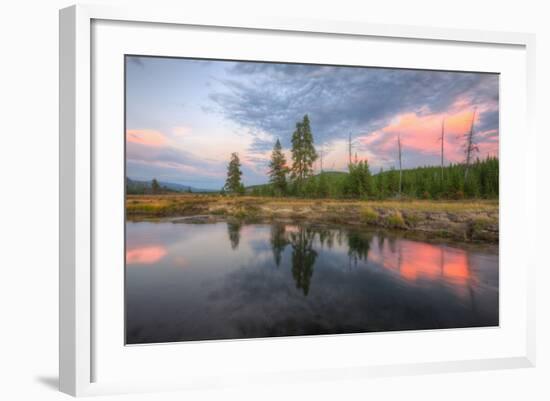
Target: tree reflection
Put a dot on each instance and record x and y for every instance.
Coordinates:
(359, 246)
(303, 257)
(381, 240)
(278, 241)
(326, 237)
(234, 232)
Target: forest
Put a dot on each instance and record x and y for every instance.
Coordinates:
(474, 178)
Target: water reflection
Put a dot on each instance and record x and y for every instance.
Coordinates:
(278, 241)
(145, 255)
(292, 279)
(234, 232)
(416, 261)
(303, 257)
(412, 260)
(359, 246)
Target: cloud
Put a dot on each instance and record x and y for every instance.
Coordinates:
(146, 137)
(150, 154)
(182, 131)
(420, 138)
(270, 98)
(245, 106)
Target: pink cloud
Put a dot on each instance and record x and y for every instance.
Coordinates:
(420, 133)
(146, 137)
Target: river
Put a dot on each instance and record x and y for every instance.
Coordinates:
(229, 280)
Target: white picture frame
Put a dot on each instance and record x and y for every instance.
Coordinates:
(78, 350)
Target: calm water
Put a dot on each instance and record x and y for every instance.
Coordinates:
(228, 280)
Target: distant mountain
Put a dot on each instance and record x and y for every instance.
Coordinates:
(142, 187)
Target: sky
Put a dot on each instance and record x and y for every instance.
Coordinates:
(184, 117)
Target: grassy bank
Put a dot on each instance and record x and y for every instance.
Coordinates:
(471, 221)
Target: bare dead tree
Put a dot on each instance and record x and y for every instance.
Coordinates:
(400, 164)
(442, 139)
(349, 148)
(470, 146)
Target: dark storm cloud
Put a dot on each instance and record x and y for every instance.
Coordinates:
(272, 97)
(488, 121)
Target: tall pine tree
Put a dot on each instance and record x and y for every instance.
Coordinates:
(278, 169)
(233, 182)
(303, 151)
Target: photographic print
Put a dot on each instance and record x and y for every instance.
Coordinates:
(269, 199)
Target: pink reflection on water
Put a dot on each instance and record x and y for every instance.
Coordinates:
(415, 261)
(145, 255)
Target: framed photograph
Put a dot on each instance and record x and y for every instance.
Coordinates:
(269, 201)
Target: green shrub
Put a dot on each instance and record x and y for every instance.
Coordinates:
(369, 215)
(396, 220)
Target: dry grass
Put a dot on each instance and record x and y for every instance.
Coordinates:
(438, 206)
(395, 219)
(369, 215)
(167, 203)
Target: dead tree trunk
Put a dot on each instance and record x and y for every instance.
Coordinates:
(400, 164)
(470, 145)
(349, 148)
(442, 148)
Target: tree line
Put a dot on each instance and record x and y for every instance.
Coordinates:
(475, 178)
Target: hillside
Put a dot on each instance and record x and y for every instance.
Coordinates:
(429, 182)
(333, 178)
(138, 187)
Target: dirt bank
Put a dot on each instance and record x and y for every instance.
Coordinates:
(468, 221)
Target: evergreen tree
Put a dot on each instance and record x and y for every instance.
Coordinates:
(393, 182)
(381, 184)
(360, 183)
(233, 182)
(241, 189)
(425, 182)
(323, 189)
(155, 186)
(278, 169)
(303, 152)
(309, 152)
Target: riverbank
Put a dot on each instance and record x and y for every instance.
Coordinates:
(468, 221)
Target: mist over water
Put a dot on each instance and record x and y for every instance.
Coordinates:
(232, 280)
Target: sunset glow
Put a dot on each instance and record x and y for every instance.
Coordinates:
(185, 117)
